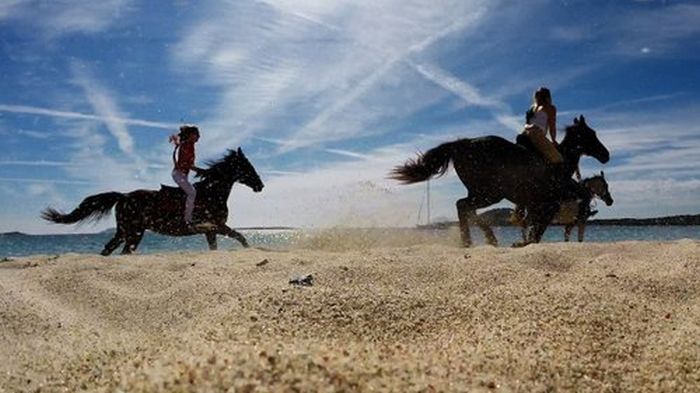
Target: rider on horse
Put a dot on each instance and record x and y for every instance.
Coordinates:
(184, 149)
(541, 118)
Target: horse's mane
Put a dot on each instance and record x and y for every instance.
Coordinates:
(571, 127)
(217, 166)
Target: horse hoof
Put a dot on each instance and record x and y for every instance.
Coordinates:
(519, 244)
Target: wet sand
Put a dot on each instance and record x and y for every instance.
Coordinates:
(590, 317)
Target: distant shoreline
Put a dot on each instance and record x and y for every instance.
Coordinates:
(495, 217)
(501, 217)
(111, 230)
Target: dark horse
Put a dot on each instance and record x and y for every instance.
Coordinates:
(492, 168)
(162, 211)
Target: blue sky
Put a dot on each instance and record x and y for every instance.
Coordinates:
(325, 97)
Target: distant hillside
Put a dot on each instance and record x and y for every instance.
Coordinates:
(501, 217)
(495, 217)
(670, 220)
(8, 234)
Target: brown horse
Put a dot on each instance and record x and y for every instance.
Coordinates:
(162, 211)
(595, 186)
(493, 169)
(573, 212)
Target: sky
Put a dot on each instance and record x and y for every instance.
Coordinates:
(326, 96)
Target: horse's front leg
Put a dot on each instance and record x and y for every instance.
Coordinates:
(581, 230)
(211, 240)
(541, 221)
(567, 231)
(232, 233)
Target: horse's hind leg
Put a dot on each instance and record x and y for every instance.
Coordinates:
(211, 240)
(518, 218)
(132, 241)
(232, 233)
(466, 209)
(464, 214)
(113, 244)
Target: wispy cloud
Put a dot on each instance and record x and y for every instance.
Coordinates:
(65, 17)
(355, 192)
(321, 64)
(347, 153)
(55, 164)
(46, 181)
(104, 105)
(39, 163)
(8, 8)
(469, 94)
(32, 110)
(659, 30)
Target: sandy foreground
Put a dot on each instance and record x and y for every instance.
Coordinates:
(591, 317)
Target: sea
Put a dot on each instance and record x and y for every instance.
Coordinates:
(13, 245)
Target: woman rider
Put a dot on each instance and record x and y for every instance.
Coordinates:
(184, 147)
(540, 118)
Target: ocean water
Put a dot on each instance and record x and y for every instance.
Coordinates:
(17, 245)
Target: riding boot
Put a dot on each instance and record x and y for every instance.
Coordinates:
(558, 172)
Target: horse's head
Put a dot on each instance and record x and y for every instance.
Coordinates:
(246, 172)
(597, 185)
(584, 139)
(235, 166)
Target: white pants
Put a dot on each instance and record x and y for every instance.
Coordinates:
(181, 180)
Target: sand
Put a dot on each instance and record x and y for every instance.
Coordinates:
(592, 317)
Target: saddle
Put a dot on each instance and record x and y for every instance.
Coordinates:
(171, 198)
(171, 191)
(524, 141)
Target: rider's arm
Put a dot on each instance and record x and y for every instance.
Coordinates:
(552, 119)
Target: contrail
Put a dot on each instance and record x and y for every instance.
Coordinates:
(76, 115)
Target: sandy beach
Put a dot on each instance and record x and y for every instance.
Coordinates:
(591, 317)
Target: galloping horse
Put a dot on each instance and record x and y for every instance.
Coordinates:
(574, 212)
(162, 211)
(492, 168)
(595, 186)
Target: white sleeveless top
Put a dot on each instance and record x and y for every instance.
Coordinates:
(539, 119)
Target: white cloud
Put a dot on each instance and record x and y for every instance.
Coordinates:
(57, 18)
(105, 106)
(8, 8)
(668, 195)
(354, 193)
(323, 67)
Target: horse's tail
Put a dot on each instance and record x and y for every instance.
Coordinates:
(433, 163)
(92, 208)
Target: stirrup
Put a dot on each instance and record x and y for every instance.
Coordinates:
(201, 226)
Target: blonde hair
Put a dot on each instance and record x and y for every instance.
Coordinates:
(542, 96)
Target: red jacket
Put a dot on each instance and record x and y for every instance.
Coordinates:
(185, 157)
